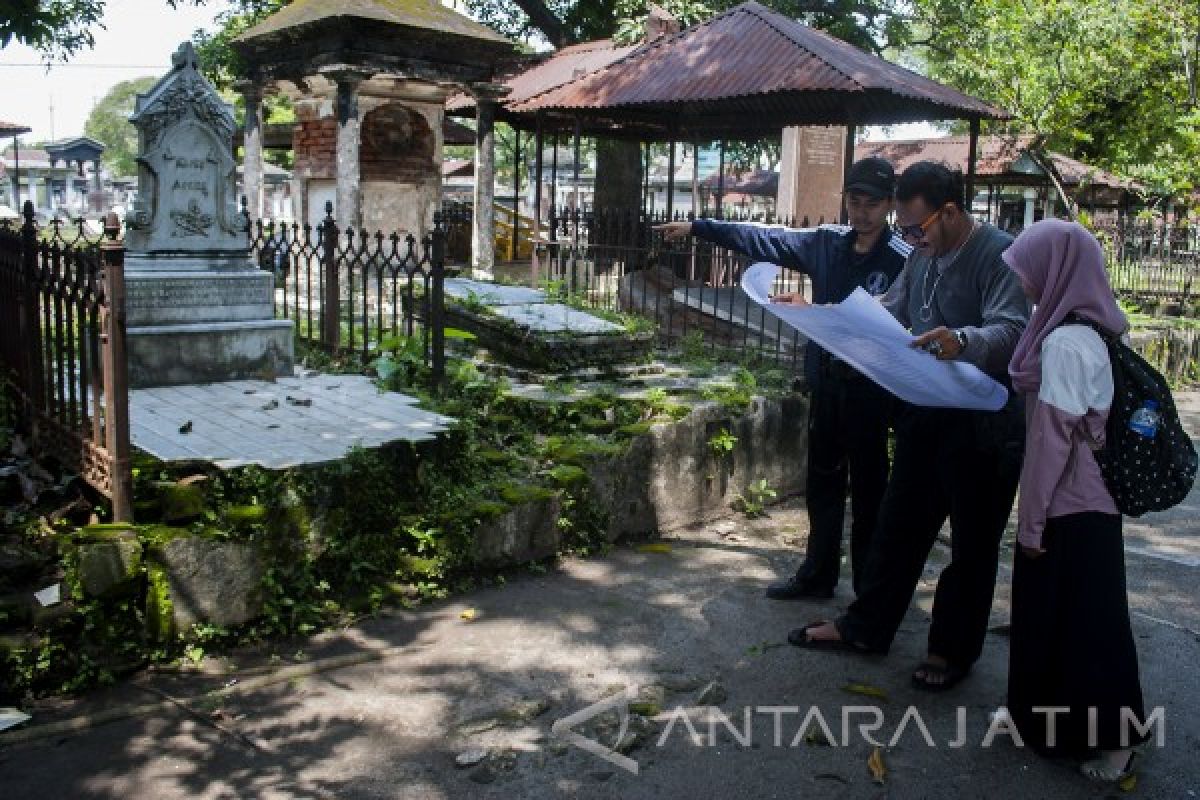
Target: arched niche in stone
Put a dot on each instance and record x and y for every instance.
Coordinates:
(400, 167)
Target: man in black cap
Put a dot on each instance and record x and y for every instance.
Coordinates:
(849, 414)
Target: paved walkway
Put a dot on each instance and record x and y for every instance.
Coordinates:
(490, 671)
(307, 419)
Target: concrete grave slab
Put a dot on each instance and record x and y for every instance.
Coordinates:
(308, 419)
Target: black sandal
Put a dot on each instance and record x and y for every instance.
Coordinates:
(950, 676)
(798, 637)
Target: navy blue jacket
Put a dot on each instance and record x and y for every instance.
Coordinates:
(825, 254)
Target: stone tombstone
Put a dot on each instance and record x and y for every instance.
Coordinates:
(198, 309)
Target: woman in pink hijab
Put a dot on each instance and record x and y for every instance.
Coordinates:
(1072, 646)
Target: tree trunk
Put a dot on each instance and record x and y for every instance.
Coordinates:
(618, 175)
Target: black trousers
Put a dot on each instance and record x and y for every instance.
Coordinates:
(1072, 645)
(961, 465)
(847, 443)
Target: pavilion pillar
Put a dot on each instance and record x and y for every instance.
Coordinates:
(721, 183)
(252, 150)
(847, 162)
(671, 180)
(16, 176)
(539, 143)
(972, 160)
(348, 192)
(483, 232)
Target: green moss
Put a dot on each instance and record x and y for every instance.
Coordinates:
(676, 411)
(418, 566)
(520, 495)
(636, 428)
(105, 532)
(567, 475)
(160, 616)
(158, 535)
(596, 425)
(577, 450)
(488, 509)
(181, 502)
(245, 515)
(494, 457)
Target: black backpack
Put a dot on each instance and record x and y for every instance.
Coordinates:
(1141, 474)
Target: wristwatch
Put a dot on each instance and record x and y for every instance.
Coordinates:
(961, 336)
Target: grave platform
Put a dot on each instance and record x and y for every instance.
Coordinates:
(306, 419)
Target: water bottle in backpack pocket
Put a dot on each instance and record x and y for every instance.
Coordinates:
(1144, 421)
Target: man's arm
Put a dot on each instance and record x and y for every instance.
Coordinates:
(786, 247)
(1005, 312)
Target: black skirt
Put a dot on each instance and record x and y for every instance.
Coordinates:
(1072, 646)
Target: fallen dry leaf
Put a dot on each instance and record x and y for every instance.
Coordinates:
(1128, 783)
(866, 690)
(654, 547)
(815, 735)
(469, 614)
(875, 764)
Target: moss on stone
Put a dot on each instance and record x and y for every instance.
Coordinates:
(418, 566)
(245, 515)
(494, 457)
(160, 614)
(568, 475)
(596, 425)
(520, 495)
(156, 536)
(105, 532)
(636, 428)
(181, 501)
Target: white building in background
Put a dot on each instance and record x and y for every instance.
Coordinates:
(53, 188)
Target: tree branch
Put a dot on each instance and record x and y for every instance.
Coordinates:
(542, 18)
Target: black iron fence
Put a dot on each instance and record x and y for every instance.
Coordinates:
(349, 291)
(1149, 261)
(62, 347)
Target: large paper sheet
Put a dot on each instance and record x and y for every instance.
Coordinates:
(862, 333)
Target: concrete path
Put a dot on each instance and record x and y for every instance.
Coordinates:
(492, 671)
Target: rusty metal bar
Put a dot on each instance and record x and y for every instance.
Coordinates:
(116, 372)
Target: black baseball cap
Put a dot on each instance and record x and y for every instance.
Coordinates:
(873, 176)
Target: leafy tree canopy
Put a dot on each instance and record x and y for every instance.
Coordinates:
(1111, 82)
(109, 123)
(56, 28)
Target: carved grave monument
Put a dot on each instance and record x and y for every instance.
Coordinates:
(199, 310)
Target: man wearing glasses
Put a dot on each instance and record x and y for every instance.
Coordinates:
(961, 302)
(849, 414)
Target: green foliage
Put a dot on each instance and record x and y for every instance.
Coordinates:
(109, 123)
(1129, 105)
(722, 443)
(57, 29)
(754, 499)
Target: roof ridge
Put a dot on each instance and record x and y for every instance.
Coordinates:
(762, 12)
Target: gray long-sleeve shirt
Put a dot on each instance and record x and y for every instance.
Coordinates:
(977, 293)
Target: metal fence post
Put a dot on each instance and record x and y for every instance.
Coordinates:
(116, 371)
(437, 287)
(30, 323)
(331, 298)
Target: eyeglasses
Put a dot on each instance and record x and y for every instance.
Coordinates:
(917, 232)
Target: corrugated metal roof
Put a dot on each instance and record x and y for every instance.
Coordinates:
(997, 156)
(751, 60)
(12, 129)
(567, 64)
(425, 14)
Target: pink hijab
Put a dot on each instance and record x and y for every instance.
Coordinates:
(1061, 265)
